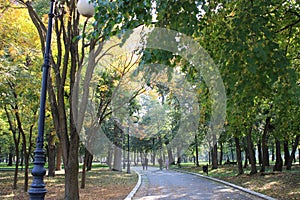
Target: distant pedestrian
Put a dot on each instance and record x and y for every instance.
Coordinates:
(167, 164)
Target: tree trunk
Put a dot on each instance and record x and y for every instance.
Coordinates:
(26, 172)
(278, 162)
(215, 157)
(286, 151)
(265, 150)
(221, 154)
(117, 166)
(154, 152)
(58, 157)
(51, 160)
(16, 143)
(16, 170)
(71, 164)
(273, 152)
(294, 148)
(134, 158)
(123, 150)
(299, 155)
(89, 161)
(251, 152)
(170, 156)
(109, 157)
(83, 174)
(197, 150)
(209, 157)
(259, 152)
(215, 153)
(246, 158)
(22, 160)
(238, 155)
(51, 155)
(16, 139)
(10, 159)
(71, 180)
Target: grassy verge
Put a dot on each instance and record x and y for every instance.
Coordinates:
(100, 183)
(280, 185)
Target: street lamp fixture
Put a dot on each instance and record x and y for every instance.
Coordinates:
(37, 189)
(85, 8)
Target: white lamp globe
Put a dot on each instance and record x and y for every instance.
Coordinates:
(85, 8)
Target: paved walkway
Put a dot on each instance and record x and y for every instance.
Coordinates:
(169, 184)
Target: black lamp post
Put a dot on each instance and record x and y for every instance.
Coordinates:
(37, 189)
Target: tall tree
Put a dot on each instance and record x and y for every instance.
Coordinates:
(67, 60)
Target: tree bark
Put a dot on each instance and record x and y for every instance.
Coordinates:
(215, 157)
(58, 157)
(89, 161)
(109, 157)
(259, 152)
(273, 152)
(10, 159)
(264, 144)
(51, 160)
(51, 155)
(170, 156)
(299, 155)
(251, 152)
(286, 151)
(238, 155)
(16, 139)
(246, 158)
(278, 162)
(117, 166)
(83, 174)
(294, 148)
(197, 150)
(221, 154)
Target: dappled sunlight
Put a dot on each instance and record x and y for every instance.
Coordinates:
(100, 182)
(280, 185)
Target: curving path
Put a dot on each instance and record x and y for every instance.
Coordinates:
(170, 184)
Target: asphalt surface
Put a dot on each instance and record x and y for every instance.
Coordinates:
(169, 184)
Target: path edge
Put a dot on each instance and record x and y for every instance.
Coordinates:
(263, 196)
(135, 189)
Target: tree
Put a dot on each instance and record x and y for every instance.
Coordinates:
(19, 96)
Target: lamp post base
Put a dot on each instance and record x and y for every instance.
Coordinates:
(37, 189)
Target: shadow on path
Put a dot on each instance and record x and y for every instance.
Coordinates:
(169, 184)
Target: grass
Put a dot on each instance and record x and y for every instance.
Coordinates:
(280, 185)
(100, 182)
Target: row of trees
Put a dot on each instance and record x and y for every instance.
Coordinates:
(255, 45)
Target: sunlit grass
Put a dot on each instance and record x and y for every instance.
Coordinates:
(100, 182)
